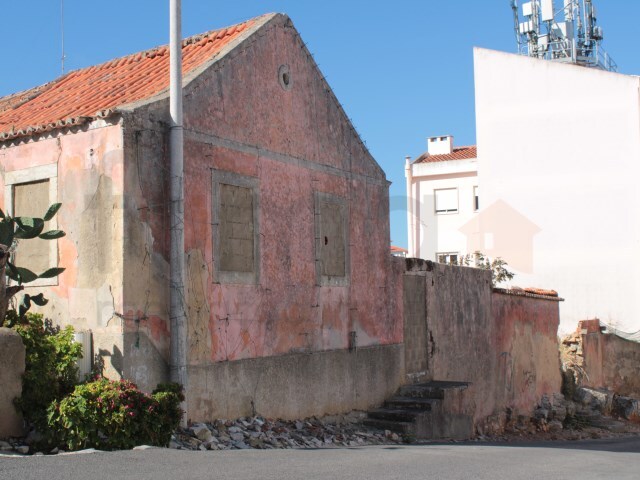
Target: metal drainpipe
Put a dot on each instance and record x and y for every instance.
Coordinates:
(178, 361)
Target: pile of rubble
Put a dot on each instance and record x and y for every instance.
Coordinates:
(262, 433)
(13, 447)
(572, 358)
(590, 414)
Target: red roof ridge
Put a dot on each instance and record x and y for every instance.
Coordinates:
(99, 90)
(466, 152)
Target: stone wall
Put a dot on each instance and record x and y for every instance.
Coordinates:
(12, 353)
(503, 342)
(297, 385)
(528, 365)
(603, 360)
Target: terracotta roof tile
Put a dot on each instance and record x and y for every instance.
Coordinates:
(459, 153)
(531, 292)
(96, 91)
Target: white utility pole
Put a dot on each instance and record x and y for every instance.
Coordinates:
(62, 33)
(410, 218)
(177, 295)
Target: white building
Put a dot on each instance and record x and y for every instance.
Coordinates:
(559, 142)
(560, 145)
(442, 192)
(558, 168)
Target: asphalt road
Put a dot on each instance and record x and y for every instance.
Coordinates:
(596, 459)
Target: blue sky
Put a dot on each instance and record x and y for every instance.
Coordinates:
(402, 69)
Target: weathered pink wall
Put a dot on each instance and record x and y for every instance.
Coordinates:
(610, 361)
(287, 312)
(88, 295)
(504, 345)
(295, 143)
(242, 101)
(528, 364)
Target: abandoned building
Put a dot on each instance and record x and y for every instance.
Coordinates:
(295, 306)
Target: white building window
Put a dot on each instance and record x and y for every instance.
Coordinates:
(446, 200)
(447, 257)
(476, 201)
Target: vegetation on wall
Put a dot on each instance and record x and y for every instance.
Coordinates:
(50, 366)
(498, 267)
(12, 231)
(101, 413)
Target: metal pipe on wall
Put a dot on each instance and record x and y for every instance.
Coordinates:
(178, 318)
(410, 214)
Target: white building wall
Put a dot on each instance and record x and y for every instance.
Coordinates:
(440, 232)
(561, 145)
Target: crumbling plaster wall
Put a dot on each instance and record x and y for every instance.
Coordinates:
(294, 142)
(146, 245)
(529, 363)
(609, 361)
(88, 168)
(504, 345)
(461, 334)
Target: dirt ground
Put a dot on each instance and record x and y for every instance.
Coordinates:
(619, 428)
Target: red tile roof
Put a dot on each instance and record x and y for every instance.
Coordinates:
(96, 91)
(531, 292)
(395, 249)
(459, 153)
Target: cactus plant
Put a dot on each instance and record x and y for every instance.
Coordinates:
(13, 230)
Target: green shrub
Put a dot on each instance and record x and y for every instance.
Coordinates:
(50, 367)
(108, 415)
(498, 267)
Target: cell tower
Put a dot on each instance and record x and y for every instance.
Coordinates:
(568, 34)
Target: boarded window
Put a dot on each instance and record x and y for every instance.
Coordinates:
(332, 247)
(236, 229)
(32, 200)
(332, 244)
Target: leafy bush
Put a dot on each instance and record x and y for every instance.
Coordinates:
(50, 367)
(108, 415)
(498, 267)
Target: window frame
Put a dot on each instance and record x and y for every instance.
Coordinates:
(331, 280)
(223, 177)
(448, 254)
(476, 198)
(435, 201)
(40, 173)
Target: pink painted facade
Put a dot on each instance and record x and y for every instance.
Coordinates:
(292, 141)
(87, 168)
(302, 332)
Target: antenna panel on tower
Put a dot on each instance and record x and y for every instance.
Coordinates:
(568, 35)
(547, 10)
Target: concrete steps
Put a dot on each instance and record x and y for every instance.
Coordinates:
(425, 411)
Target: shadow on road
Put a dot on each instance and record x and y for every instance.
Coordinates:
(629, 444)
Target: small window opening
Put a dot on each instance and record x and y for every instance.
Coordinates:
(284, 77)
